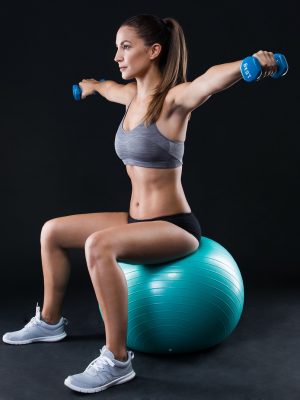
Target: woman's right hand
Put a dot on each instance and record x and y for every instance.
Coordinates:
(87, 86)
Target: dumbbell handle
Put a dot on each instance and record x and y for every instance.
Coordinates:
(251, 69)
(77, 90)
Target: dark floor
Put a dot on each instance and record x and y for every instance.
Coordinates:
(260, 360)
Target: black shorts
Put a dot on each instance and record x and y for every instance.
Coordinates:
(187, 221)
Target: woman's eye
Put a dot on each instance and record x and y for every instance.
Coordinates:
(125, 46)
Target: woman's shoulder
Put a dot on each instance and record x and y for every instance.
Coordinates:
(176, 91)
(131, 89)
(173, 94)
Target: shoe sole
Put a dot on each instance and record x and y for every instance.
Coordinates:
(118, 381)
(39, 339)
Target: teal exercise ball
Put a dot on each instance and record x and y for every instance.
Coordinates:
(185, 305)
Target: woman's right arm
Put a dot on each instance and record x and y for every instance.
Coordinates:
(116, 92)
(112, 91)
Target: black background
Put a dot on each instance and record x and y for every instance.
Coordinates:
(241, 162)
(240, 177)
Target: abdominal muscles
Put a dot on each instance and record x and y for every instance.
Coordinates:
(156, 192)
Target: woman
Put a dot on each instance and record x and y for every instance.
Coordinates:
(160, 225)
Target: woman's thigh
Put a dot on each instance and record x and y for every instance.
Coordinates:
(72, 231)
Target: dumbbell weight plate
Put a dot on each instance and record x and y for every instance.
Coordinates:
(250, 69)
(282, 66)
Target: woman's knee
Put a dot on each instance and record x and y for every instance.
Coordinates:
(98, 245)
(50, 232)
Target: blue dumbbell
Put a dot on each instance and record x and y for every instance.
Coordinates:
(251, 68)
(77, 90)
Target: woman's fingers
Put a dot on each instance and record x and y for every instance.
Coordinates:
(267, 62)
(87, 87)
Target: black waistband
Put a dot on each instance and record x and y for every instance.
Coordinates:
(161, 216)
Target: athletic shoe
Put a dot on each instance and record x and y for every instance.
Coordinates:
(101, 373)
(37, 330)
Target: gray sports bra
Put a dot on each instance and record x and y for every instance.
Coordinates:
(147, 147)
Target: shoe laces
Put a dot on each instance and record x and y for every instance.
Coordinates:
(99, 363)
(33, 322)
(36, 320)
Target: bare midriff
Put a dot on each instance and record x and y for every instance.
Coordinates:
(156, 192)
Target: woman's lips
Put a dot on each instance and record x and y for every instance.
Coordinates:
(122, 68)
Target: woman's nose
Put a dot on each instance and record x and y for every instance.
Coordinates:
(117, 56)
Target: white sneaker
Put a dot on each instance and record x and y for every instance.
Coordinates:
(101, 373)
(37, 330)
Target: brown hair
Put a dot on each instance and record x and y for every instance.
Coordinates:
(172, 60)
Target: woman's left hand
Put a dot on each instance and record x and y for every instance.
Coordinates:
(267, 62)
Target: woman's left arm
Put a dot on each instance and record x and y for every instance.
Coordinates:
(218, 78)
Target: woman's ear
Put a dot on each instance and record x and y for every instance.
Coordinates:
(155, 51)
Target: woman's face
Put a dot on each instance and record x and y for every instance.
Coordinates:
(132, 54)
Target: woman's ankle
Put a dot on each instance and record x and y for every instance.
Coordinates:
(50, 319)
(120, 355)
